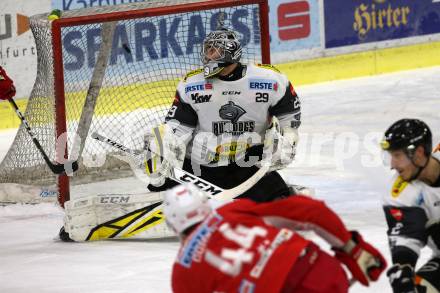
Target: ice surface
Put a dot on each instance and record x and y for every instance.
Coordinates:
(337, 156)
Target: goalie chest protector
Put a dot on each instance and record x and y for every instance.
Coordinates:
(233, 108)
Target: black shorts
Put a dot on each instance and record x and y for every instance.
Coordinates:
(269, 188)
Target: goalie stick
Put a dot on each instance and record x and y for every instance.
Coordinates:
(182, 176)
(67, 167)
(107, 35)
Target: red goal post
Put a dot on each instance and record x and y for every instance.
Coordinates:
(114, 70)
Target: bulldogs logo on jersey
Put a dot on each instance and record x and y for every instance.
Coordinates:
(231, 112)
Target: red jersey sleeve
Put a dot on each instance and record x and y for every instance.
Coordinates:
(303, 213)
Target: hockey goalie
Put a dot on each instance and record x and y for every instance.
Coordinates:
(231, 125)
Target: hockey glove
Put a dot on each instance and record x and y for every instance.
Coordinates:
(402, 278)
(279, 146)
(364, 261)
(164, 150)
(7, 89)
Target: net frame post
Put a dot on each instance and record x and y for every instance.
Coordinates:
(264, 34)
(60, 110)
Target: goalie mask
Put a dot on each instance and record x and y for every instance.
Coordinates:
(184, 206)
(220, 49)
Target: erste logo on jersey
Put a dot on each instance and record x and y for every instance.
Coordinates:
(263, 84)
(196, 245)
(198, 86)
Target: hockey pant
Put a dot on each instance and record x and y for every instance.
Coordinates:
(430, 273)
(316, 272)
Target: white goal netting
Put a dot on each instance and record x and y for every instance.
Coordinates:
(120, 71)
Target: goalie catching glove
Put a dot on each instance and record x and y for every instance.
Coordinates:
(164, 150)
(364, 261)
(7, 89)
(279, 145)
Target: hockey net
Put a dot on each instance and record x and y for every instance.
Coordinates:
(113, 70)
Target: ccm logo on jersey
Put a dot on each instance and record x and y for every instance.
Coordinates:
(231, 93)
(198, 86)
(263, 84)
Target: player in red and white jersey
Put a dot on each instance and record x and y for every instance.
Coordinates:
(412, 206)
(248, 247)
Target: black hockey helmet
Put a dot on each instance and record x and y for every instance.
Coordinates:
(407, 135)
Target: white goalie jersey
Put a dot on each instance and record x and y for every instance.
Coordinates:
(224, 119)
(409, 207)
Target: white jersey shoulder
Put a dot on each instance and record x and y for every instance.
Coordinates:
(414, 194)
(264, 76)
(196, 74)
(192, 81)
(402, 193)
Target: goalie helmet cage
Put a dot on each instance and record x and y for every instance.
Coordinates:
(114, 70)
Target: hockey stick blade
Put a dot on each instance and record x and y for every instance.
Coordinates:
(68, 167)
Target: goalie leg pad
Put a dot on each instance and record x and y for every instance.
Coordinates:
(116, 216)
